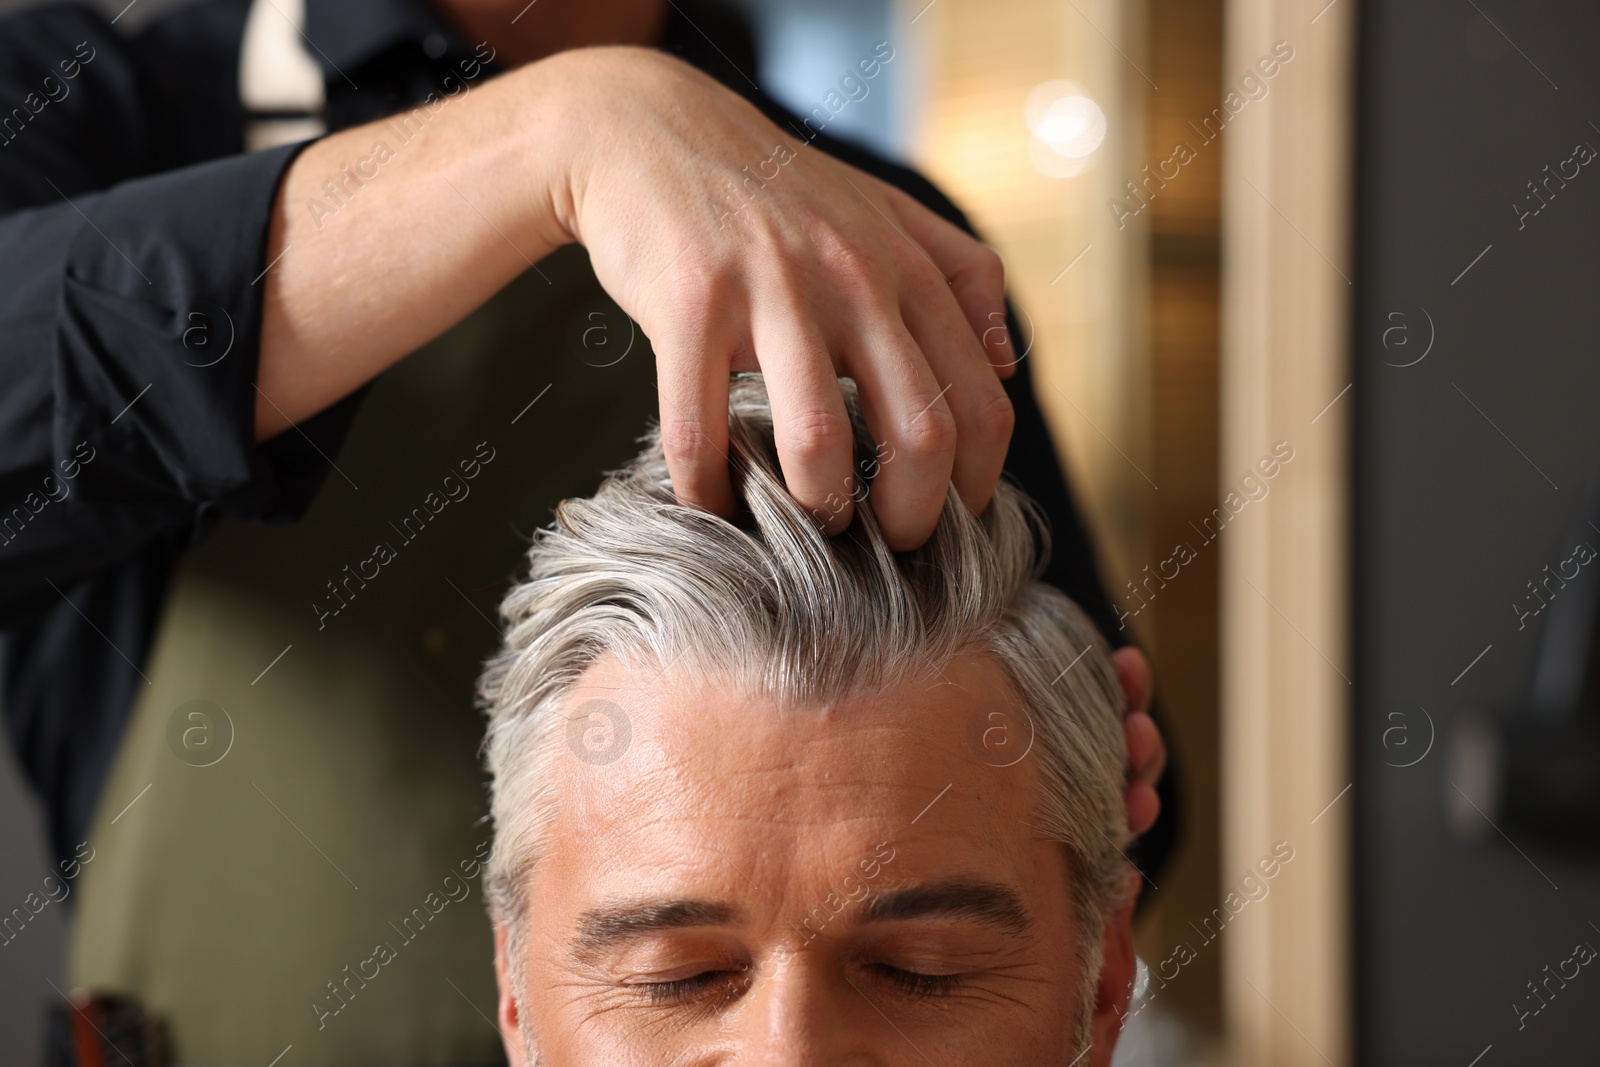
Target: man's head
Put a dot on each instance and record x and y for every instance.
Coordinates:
(762, 796)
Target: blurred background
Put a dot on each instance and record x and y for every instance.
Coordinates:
(1309, 292)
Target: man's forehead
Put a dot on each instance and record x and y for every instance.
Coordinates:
(685, 715)
(700, 746)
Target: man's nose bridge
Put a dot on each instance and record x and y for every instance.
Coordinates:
(795, 1015)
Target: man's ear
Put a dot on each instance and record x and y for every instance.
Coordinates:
(507, 1014)
(1115, 988)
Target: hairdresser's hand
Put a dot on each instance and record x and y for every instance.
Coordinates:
(737, 247)
(732, 243)
(1147, 753)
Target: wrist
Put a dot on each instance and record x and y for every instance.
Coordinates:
(585, 109)
(544, 137)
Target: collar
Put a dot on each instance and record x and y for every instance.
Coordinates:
(347, 33)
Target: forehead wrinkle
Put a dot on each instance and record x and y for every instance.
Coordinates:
(674, 787)
(694, 768)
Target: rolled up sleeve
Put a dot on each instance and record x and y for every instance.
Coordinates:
(157, 343)
(130, 319)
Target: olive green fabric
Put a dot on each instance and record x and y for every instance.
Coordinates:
(312, 880)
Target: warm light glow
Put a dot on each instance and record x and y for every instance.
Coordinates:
(1052, 164)
(1067, 127)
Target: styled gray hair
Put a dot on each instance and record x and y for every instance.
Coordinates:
(789, 612)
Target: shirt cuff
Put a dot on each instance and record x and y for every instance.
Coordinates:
(158, 344)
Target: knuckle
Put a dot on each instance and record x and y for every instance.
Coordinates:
(847, 259)
(994, 418)
(699, 290)
(788, 268)
(817, 433)
(988, 269)
(931, 433)
(688, 441)
(699, 301)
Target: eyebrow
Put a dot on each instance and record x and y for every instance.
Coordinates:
(610, 925)
(985, 902)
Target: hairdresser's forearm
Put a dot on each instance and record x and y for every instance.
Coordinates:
(416, 236)
(730, 243)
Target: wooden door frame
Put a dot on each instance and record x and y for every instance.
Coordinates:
(1285, 377)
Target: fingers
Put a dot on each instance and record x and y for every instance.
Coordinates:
(978, 402)
(810, 424)
(694, 421)
(967, 397)
(914, 428)
(1143, 807)
(974, 272)
(1133, 670)
(1147, 758)
(924, 335)
(1147, 752)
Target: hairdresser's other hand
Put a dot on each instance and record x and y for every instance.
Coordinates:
(1147, 752)
(738, 247)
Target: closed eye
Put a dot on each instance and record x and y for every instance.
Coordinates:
(918, 983)
(696, 988)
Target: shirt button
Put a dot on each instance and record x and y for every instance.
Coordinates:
(433, 45)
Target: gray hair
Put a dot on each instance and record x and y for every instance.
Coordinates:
(768, 599)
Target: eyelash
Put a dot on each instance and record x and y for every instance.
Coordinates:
(921, 985)
(683, 990)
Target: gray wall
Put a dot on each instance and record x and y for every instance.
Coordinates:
(32, 960)
(1457, 508)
